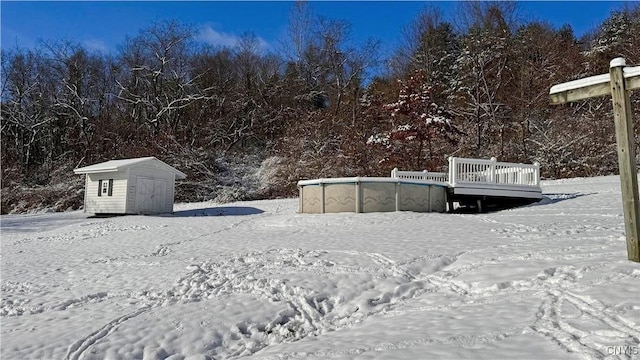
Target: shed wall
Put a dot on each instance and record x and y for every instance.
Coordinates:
(114, 204)
(151, 172)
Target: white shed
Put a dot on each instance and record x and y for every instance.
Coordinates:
(129, 186)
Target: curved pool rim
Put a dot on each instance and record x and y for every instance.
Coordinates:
(371, 194)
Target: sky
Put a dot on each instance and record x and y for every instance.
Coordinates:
(103, 26)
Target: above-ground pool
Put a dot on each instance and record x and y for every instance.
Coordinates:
(370, 194)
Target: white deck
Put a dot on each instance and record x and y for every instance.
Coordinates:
(478, 177)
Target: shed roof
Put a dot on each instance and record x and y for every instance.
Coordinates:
(122, 164)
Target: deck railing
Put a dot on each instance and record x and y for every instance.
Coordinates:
(463, 170)
(420, 175)
(479, 171)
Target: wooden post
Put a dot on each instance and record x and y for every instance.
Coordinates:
(618, 83)
(322, 197)
(626, 157)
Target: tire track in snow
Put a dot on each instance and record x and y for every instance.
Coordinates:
(554, 325)
(385, 262)
(77, 349)
(550, 325)
(597, 310)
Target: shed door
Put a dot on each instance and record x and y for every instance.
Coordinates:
(150, 195)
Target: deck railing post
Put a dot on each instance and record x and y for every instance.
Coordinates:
(452, 171)
(492, 166)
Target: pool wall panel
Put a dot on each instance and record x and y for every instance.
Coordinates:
(311, 199)
(339, 198)
(378, 197)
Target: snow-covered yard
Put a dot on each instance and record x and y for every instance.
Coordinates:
(256, 279)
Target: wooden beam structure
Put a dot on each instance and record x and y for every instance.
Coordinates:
(618, 83)
(594, 86)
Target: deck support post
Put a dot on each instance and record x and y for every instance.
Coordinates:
(449, 200)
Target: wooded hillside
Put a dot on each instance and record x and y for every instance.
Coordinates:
(246, 124)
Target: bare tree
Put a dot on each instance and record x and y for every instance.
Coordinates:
(414, 50)
(26, 116)
(160, 83)
(301, 25)
(80, 83)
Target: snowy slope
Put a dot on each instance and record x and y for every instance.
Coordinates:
(256, 279)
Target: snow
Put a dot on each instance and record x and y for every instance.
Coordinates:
(581, 83)
(117, 165)
(257, 280)
(379, 139)
(628, 72)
